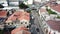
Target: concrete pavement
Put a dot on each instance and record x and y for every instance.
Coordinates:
(35, 24)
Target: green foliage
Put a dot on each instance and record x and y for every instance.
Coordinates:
(50, 11)
(58, 17)
(1, 31)
(23, 6)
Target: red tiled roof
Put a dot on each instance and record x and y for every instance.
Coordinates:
(3, 13)
(57, 7)
(20, 16)
(55, 25)
(54, 6)
(20, 30)
(24, 16)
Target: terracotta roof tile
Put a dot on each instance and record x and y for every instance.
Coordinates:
(55, 25)
(20, 30)
(57, 7)
(24, 15)
(20, 16)
(3, 13)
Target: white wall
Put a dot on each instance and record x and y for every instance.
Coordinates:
(28, 2)
(58, 2)
(14, 3)
(41, 1)
(2, 0)
(37, 0)
(24, 22)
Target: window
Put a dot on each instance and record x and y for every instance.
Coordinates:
(27, 26)
(8, 23)
(25, 22)
(21, 22)
(12, 23)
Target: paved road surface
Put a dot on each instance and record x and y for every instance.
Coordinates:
(35, 24)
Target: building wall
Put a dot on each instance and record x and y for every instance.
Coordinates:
(28, 2)
(13, 0)
(19, 23)
(58, 1)
(24, 23)
(46, 28)
(37, 0)
(2, 0)
(41, 0)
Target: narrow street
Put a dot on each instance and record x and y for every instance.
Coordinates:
(35, 24)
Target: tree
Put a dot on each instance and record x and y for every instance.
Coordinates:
(23, 6)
